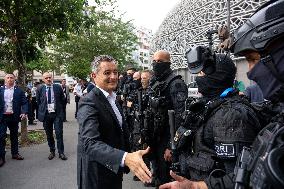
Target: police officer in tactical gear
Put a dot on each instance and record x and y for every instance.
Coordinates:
(140, 129)
(260, 40)
(127, 90)
(167, 91)
(228, 123)
(139, 104)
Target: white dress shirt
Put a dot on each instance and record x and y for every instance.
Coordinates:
(111, 99)
(8, 98)
(78, 90)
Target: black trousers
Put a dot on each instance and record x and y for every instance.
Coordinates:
(64, 110)
(161, 167)
(34, 108)
(31, 117)
(110, 182)
(10, 122)
(52, 120)
(77, 99)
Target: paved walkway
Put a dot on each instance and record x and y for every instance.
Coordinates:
(37, 172)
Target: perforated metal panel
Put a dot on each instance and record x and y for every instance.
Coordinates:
(189, 21)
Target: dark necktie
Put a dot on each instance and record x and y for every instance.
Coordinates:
(49, 95)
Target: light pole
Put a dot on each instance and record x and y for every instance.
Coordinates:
(228, 15)
(229, 21)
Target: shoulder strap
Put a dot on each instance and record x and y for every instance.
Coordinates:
(171, 78)
(213, 107)
(164, 84)
(216, 105)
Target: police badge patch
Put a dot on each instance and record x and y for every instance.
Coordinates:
(225, 150)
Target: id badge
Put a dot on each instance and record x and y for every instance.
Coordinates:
(50, 108)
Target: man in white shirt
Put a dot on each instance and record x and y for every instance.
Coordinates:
(13, 109)
(78, 92)
(65, 89)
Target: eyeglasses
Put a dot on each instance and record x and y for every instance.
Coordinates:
(47, 78)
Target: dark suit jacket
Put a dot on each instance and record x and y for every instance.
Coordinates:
(20, 103)
(101, 143)
(42, 101)
(90, 87)
(67, 94)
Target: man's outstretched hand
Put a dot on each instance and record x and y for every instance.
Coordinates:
(183, 183)
(136, 164)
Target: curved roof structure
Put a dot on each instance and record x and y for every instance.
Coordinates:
(187, 24)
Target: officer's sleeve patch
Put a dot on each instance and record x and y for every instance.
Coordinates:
(181, 96)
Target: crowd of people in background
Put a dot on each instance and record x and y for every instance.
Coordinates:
(35, 105)
(130, 83)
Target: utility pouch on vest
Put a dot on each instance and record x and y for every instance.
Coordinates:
(200, 165)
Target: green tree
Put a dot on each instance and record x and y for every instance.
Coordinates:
(26, 25)
(42, 64)
(100, 33)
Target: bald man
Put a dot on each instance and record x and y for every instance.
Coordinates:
(51, 101)
(172, 92)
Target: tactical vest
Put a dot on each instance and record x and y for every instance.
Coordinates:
(266, 162)
(160, 103)
(216, 141)
(160, 100)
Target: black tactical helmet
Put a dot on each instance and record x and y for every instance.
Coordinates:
(199, 59)
(262, 28)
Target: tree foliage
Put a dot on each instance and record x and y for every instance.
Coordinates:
(99, 33)
(42, 64)
(26, 25)
(74, 34)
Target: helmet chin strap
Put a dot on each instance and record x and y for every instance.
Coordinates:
(268, 62)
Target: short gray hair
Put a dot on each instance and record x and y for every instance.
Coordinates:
(99, 59)
(147, 71)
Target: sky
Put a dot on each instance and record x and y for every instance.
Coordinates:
(146, 13)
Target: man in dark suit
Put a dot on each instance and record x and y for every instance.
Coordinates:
(65, 89)
(50, 99)
(34, 104)
(13, 109)
(103, 137)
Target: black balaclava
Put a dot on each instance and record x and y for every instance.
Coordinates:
(211, 86)
(138, 83)
(128, 78)
(160, 68)
(264, 78)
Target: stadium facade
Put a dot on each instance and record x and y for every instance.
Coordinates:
(186, 25)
